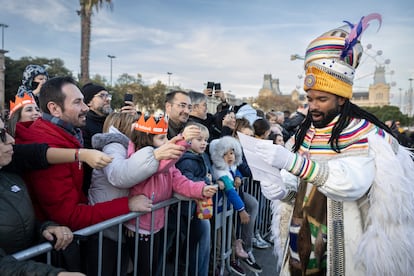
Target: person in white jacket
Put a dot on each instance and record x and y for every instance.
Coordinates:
(354, 208)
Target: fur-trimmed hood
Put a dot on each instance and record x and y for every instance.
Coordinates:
(100, 140)
(219, 147)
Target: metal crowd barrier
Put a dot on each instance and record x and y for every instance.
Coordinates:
(221, 224)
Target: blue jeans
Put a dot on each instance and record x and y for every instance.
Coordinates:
(199, 235)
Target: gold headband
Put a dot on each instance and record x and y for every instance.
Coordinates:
(320, 80)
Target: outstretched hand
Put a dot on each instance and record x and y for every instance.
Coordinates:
(275, 155)
(209, 190)
(170, 150)
(95, 158)
(271, 190)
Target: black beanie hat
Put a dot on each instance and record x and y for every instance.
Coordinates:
(89, 90)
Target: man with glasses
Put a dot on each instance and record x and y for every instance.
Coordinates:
(98, 100)
(177, 107)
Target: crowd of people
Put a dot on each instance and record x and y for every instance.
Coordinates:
(343, 206)
(131, 161)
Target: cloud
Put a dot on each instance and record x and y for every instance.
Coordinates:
(57, 15)
(203, 40)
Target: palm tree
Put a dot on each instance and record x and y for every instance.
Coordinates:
(86, 13)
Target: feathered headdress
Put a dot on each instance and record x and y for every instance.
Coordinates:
(331, 59)
(357, 30)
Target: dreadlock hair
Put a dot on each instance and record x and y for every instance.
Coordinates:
(349, 111)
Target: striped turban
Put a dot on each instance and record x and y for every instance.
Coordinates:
(331, 59)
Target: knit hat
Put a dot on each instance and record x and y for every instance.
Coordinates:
(30, 72)
(331, 59)
(89, 90)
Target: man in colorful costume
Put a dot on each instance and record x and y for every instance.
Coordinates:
(353, 212)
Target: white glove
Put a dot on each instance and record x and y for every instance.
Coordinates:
(271, 190)
(275, 155)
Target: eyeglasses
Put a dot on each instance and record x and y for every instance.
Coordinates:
(104, 96)
(201, 104)
(184, 106)
(3, 135)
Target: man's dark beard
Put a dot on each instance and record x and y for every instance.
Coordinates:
(327, 118)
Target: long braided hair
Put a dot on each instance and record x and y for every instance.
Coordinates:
(349, 111)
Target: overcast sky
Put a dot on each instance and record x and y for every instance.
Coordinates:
(227, 41)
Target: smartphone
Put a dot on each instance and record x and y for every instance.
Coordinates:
(210, 85)
(128, 97)
(217, 86)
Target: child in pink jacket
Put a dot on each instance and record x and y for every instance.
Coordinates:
(159, 187)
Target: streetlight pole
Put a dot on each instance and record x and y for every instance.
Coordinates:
(410, 98)
(2, 25)
(169, 78)
(111, 57)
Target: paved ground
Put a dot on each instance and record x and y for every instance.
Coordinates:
(266, 259)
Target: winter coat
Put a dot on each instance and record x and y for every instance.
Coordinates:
(94, 125)
(160, 187)
(122, 173)
(57, 191)
(195, 167)
(222, 171)
(9, 266)
(21, 229)
(18, 231)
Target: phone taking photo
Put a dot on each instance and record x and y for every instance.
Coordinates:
(217, 86)
(128, 98)
(210, 85)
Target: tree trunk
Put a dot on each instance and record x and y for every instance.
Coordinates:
(85, 14)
